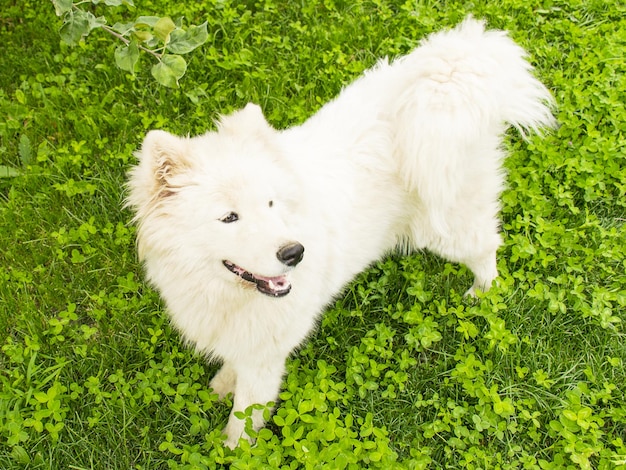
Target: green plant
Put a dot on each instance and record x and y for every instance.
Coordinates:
(403, 372)
(161, 37)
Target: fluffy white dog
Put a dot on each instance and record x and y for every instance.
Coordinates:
(248, 232)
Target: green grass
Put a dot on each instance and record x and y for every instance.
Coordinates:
(402, 371)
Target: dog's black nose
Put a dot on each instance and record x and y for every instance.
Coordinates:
(290, 254)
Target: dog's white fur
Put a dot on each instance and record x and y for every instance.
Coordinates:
(409, 156)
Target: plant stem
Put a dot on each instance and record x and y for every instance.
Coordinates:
(126, 41)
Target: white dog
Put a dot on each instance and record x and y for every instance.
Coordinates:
(248, 232)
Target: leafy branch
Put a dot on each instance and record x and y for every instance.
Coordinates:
(161, 37)
(126, 41)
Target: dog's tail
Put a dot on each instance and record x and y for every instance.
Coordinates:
(461, 90)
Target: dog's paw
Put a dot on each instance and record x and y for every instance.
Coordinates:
(480, 287)
(231, 442)
(235, 431)
(471, 292)
(224, 382)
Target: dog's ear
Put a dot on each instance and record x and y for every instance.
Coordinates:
(165, 156)
(246, 121)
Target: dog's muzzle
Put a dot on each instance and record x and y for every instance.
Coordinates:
(274, 286)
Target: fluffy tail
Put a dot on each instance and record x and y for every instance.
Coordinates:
(461, 89)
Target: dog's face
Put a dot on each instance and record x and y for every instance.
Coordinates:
(250, 221)
(224, 199)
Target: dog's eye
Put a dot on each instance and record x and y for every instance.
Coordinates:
(230, 217)
(271, 203)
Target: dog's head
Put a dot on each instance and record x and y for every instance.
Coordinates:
(226, 199)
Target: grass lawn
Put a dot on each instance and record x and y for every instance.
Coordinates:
(402, 372)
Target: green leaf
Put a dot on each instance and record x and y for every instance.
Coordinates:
(37, 425)
(195, 94)
(147, 21)
(169, 70)
(75, 27)
(124, 28)
(143, 36)
(163, 28)
(182, 42)
(41, 397)
(54, 430)
(78, 24)
(126, 57)
(95, 22)
(25, 150)
(20, 96)
(19, 454)
(9, 172)
(504, 408)
(61, 7)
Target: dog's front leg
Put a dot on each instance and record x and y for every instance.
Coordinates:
(255, 384)
(224, 381)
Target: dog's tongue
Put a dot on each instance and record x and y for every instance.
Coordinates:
(274, 286)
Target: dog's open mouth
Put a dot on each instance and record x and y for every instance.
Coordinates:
(277, 286)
